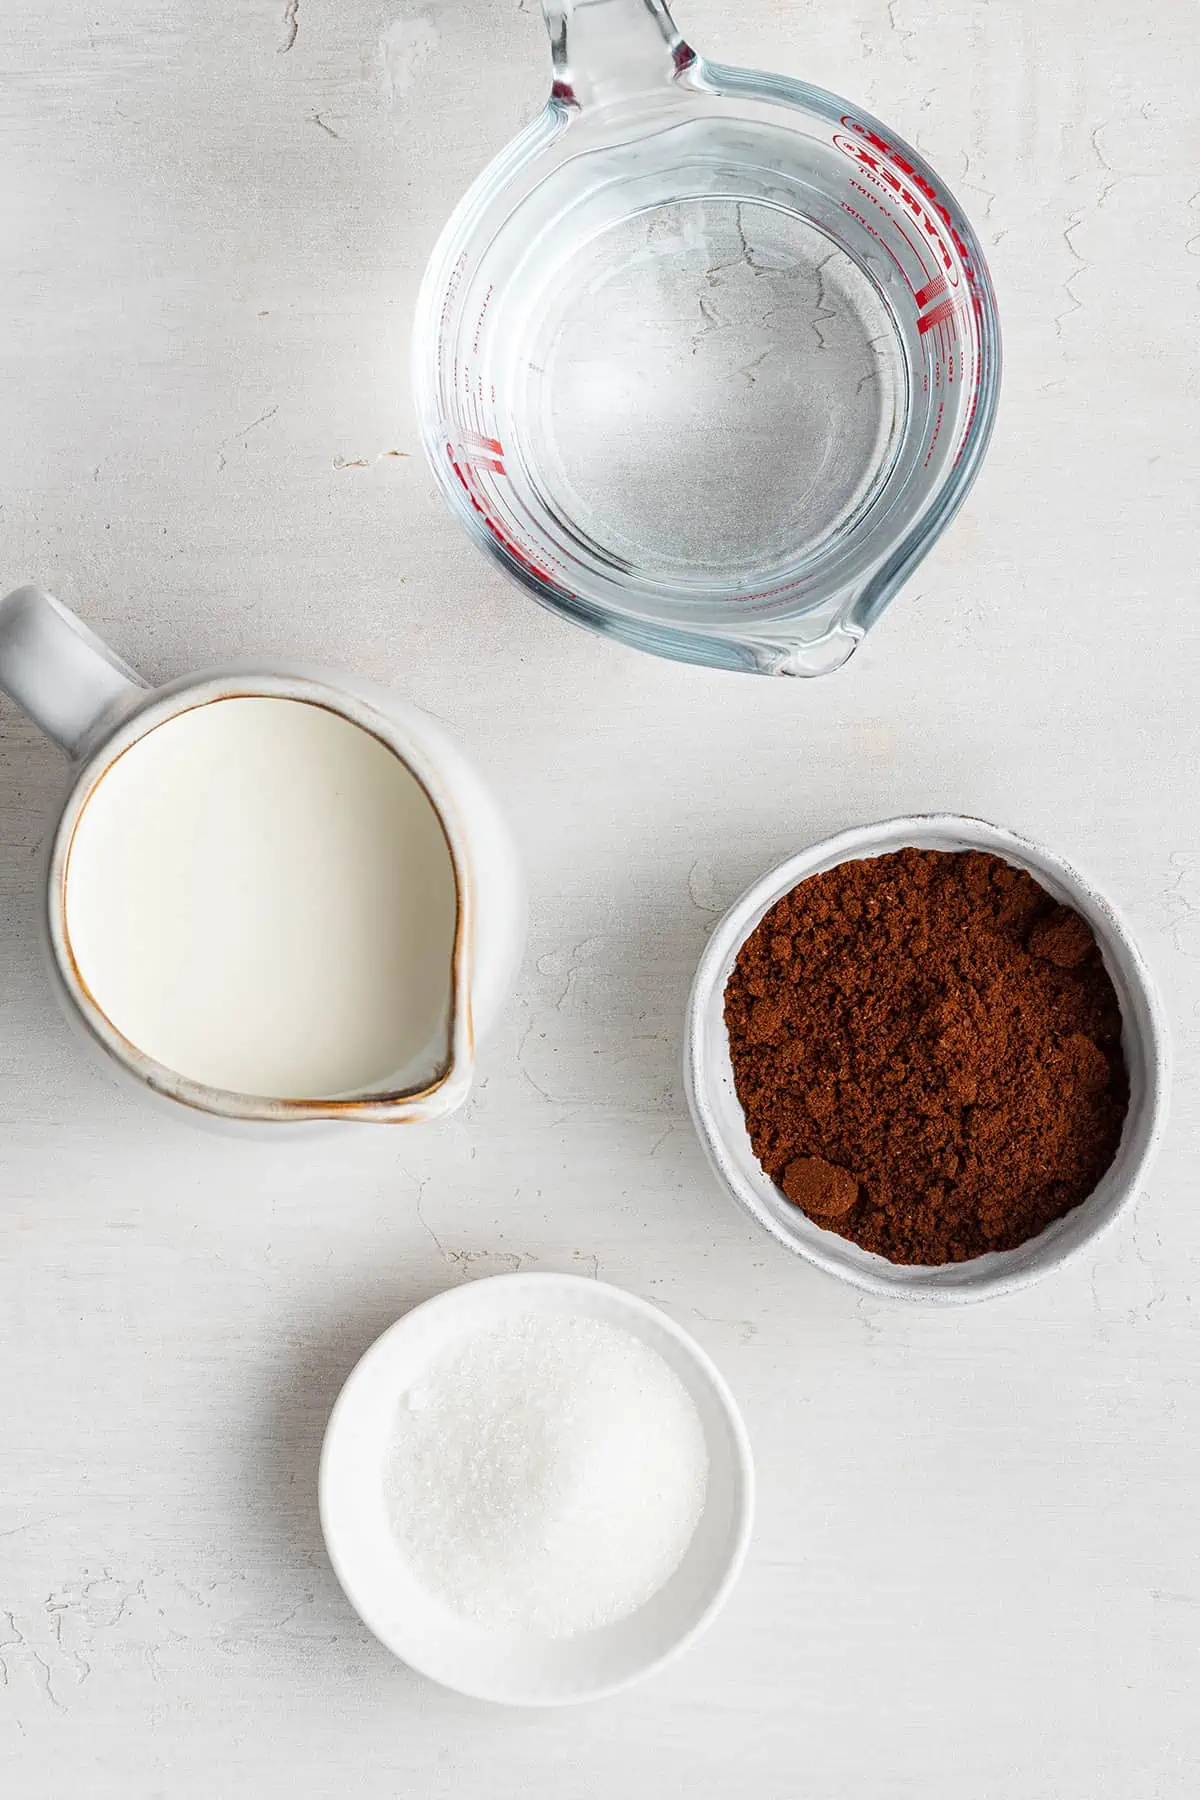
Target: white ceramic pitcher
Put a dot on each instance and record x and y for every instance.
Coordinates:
(95, 707)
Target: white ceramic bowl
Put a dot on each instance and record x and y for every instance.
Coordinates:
(718, 1115)
(512, 1667)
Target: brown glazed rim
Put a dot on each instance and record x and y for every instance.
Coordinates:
(407, 1105)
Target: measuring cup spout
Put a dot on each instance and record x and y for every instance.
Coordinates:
(818, 654)
(612, 50)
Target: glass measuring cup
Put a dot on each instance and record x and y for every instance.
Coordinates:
(706, 359)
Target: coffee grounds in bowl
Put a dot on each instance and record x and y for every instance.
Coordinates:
(927, 1050)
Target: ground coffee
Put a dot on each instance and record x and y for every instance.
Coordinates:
(927, 1049)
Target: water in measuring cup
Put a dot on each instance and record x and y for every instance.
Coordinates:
(709, 389)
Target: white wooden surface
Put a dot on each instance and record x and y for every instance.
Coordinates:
(977, 1566)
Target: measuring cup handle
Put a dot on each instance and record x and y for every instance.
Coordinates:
(61, 674)
(607, 50)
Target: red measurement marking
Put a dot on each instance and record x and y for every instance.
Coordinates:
(931, 291)
(456, 275)
(483, 452)
(940, 315)
(487, 301)
(915, 197)
(920, 182)
(893, 224)
(965, 435)
(502, 538)
(919, 259)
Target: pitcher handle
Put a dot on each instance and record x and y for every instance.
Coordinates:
(606, 50)
(61, 674)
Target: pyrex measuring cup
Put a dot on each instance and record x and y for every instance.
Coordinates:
(706, 359)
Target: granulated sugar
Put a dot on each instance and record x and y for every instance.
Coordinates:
(546, 1475)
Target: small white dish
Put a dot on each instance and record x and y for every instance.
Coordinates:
(717, 1112)
(515, 1668)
